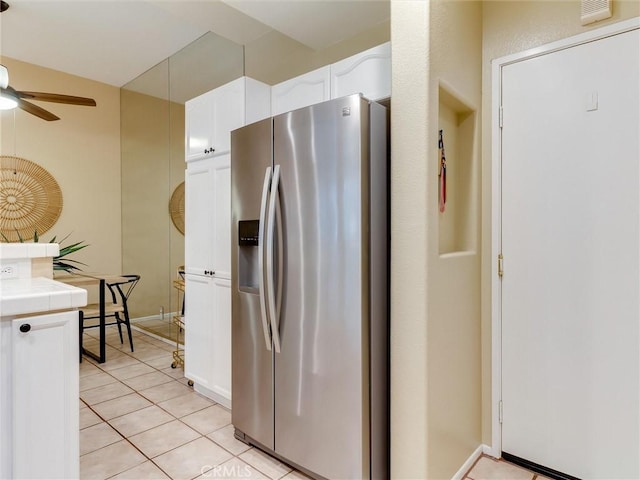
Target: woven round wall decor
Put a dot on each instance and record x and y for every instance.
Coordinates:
(30, 199)
(176, 208)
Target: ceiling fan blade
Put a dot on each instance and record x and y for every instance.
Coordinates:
(37, 111)
(58, 98)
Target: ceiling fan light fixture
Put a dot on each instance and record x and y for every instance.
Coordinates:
(7, 101)
(4, 76)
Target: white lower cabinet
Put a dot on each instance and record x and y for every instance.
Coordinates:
(39, 396)
(208, 336)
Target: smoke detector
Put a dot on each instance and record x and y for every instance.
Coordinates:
(594, 10)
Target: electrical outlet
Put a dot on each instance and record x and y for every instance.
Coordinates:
(9, 270)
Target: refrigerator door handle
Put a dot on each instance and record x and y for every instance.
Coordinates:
(261, 248)
(274, 311)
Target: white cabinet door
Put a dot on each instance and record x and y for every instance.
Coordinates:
(222, 340)
(301, 91)
(199, 216)
(228, 113)
(199, 122)
(199, 330)
(207, 205)
(45, 396)
(207, 336)
(368, 72)
(221, 246)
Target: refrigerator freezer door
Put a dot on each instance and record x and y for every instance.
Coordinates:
(252, 362)
(321, 373)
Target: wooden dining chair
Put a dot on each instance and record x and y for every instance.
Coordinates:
(118, 309)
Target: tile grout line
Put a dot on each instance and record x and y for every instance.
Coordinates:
(151, 459)
(179, 419)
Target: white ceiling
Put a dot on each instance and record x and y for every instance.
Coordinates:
(115, 41)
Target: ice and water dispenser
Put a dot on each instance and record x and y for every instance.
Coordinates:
(248, 267)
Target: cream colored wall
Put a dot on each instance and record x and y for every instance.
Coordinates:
(453, 280)
(81, 151)
(410, 144)
(511, 27)
(435, 312)
(152, 166)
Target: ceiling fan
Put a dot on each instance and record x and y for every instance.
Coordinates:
(16, 98)
(12, 98)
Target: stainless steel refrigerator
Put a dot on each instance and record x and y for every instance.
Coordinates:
(310, 288)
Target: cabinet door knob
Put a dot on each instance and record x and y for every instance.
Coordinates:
(25, 327)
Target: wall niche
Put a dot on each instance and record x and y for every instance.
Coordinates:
(456, 225)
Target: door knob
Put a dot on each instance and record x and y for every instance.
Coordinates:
(25, 327)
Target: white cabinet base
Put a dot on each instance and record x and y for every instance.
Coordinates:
(39, 396)
(223, 399)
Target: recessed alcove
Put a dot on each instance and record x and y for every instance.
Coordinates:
(456, 225)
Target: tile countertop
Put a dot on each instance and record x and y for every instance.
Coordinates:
(28, 250)
(37, 295)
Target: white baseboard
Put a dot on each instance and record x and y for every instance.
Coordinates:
(490, 451)
(153, 335)
(466, 466)
(223, 400)
(167, 316)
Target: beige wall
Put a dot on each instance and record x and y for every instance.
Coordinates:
(511, 27)
(453, 279)
(441, 317)
(152, 167)
(81, 151)
(435, 320)
(410, 144)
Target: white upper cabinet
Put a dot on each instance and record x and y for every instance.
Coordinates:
(199, 126)
(212, 116)
(368, 72)
(301, 91)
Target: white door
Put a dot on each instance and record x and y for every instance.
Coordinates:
(199, 331)
(228, 113)
(45, 396)
(221, 247)
(199, 231)
(199, 126)
(570, 240)
(222, 340)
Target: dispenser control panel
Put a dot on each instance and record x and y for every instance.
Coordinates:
(248, 233)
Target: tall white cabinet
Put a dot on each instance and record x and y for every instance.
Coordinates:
(210, 118)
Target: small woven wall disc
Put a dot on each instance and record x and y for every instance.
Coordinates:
(30, 199)
(176, 208)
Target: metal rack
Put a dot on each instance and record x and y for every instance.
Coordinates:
(178, 321)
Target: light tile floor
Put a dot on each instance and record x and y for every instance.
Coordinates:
(139, 420)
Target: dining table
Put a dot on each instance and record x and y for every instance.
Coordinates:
(87, 279)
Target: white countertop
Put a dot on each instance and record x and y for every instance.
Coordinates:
(28, 250)
(30, 295)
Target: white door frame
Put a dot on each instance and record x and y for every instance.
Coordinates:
(496, 202)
